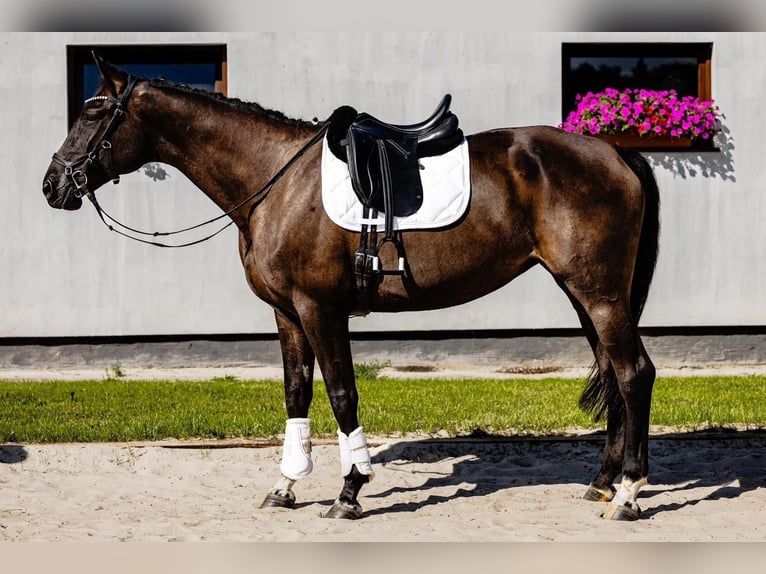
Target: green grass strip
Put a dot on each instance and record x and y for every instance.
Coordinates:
(116, 410)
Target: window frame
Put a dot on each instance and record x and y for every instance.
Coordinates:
(702, 51)
(79, 55)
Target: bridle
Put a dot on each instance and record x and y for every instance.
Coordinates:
(79, 177)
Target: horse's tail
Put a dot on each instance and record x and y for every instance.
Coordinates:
(600, 397)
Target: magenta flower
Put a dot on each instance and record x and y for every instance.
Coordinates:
(641, 112)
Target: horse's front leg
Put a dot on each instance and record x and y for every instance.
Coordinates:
(328, 331)
(298, 363)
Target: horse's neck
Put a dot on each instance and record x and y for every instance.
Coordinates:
(229, 153)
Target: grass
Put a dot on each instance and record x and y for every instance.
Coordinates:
(115, 371)
(115, 410)
(369, 370)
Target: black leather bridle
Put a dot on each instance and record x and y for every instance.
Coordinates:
(79, 176)
(76, 169)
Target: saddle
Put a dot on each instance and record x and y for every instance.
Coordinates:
(383, 162)
(383, 158)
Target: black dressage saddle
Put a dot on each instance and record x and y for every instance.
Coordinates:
(383, 158)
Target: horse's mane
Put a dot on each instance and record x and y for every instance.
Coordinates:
(250, 107)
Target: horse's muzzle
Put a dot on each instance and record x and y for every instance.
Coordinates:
(61, 196)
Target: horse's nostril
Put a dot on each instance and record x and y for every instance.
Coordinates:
(47, 188)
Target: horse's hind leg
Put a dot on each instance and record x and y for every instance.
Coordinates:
(601, 489)
(634, 374)
(631, 370)
(298, 362)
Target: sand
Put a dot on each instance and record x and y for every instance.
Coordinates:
(703, 487)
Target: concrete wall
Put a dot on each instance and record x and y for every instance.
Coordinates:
(64, 274)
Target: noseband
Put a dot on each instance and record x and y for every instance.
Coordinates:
(79, 177)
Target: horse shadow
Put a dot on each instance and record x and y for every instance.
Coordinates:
(730, 462)
(12, 454)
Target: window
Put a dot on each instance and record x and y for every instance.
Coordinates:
(199, 66)
(592, 67)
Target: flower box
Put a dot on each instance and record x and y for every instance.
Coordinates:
(645, 119)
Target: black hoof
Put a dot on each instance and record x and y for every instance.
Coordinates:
(279, 499)
(344, 510)
(624, 512)
(595, 494)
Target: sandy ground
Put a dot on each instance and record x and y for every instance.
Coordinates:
(703, 487)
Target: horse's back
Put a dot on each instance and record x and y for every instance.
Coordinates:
(545, 164)
(548, 147)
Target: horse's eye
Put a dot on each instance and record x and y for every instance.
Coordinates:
(94, 109)
(92, 114)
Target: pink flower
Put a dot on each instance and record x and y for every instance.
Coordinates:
(642, 111)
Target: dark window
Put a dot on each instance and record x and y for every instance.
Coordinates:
(199, 66)
(592, 67)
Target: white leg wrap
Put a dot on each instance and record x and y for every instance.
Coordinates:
(628, 491)
(353, 451)
(296, 451)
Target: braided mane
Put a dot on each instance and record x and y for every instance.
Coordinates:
(250, 107)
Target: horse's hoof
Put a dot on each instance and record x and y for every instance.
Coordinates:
(344, 510)
(279, 499)
(595, 494)
(625, 512)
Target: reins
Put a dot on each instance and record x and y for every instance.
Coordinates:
(256, 196)
(80, 179)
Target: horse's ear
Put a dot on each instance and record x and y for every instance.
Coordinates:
(113, 77)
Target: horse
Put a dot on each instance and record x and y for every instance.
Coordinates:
(584, 209)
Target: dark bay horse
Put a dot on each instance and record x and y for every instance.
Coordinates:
(586, 211)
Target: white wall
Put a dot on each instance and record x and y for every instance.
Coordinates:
(64, 274)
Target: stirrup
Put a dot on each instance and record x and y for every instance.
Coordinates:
(399, 252)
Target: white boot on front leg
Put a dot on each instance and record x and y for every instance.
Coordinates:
(296, 463)
(354, 451)
(296, 451)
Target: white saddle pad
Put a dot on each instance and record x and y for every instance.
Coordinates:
(446, 183)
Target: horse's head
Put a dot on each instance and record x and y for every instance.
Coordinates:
(104, 142)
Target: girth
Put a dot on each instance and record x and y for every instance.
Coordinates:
(383, 162)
